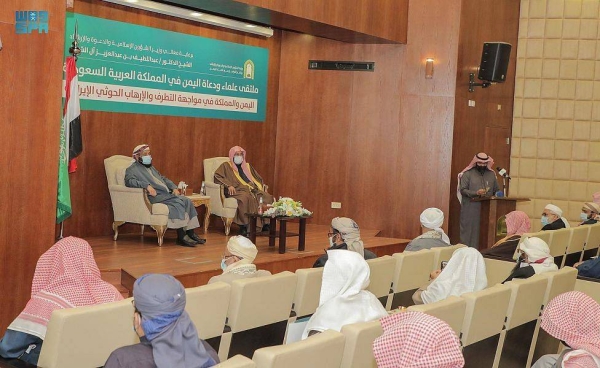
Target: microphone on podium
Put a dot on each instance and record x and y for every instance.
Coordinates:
(503, 172)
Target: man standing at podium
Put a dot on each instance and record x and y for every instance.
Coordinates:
(477, 180)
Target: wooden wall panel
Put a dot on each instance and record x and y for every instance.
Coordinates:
(470, 123)
(382, 18)
(30, 111)
(178, 144)
(378, 142)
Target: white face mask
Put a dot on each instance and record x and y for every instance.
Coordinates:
(583, 216)
(331, 242)
(238, 160)
(545, 220)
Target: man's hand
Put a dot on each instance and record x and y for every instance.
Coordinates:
(231, 190)
(151, 191)
(176, 191)
(577, 264)
(481, 192)
(434, 274)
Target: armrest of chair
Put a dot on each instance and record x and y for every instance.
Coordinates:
(128, 196)
(215, 192)
(124, 189)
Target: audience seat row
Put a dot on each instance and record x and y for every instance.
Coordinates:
(254, 313)
(571, 245)
(498, 327)
(236, 319)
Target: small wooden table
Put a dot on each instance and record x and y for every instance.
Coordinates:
(201, 200)
(282, 234)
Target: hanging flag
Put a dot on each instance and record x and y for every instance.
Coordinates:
(70, 120)
(75, 141)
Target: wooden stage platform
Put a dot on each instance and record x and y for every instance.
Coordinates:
(131, 256)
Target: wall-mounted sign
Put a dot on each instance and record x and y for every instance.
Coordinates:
(135, 69)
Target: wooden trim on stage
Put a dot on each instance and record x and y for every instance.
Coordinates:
(122, 262)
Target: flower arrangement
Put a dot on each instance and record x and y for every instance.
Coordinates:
(286, 207)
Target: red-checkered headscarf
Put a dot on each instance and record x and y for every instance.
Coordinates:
(480, 158)
(517, 223)
(574, 318)
(417, 340)
(66, 276)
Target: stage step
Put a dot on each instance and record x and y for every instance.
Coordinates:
(113, 277)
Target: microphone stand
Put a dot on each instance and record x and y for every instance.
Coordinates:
(508, 185)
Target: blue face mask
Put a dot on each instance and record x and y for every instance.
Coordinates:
(223, 265)
(544, 220)
(147, 160)
(583, 216)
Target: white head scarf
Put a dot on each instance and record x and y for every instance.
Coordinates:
(538, 255)
(558, 213)
(464, 273)
(242, 247)
(433, 218)
(344, 299)
(350, 233)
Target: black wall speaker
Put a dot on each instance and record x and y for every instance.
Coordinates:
(494, 61)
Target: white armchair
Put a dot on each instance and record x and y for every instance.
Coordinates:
(219, 205)
(132, 204)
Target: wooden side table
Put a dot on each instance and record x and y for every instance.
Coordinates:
(282, 234)
(201, 200)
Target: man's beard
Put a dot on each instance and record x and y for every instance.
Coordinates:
(148, 166)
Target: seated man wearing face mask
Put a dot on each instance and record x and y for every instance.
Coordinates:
(475, 181)
(534, 259)
(344, 234)
(589, 213)
(237, 261)
(244, 184)
(552, 218)
(182, 213)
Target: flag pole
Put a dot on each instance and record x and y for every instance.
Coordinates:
(75, 51)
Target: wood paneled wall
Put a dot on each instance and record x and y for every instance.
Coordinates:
(178, 144)
(30, 115)
(382, 18)
(483, 127)
(378, 142)
(361, 21)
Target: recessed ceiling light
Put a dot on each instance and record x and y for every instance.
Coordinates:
(250, 26)
(196, 14)
(131, 1)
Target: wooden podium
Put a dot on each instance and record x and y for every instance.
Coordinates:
(492, 208)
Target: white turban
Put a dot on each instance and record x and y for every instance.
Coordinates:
(350, 233)
(433, 218)
(538, 254)
(242, 247)
(554, 209)
(558, 213)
